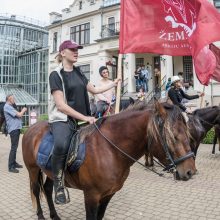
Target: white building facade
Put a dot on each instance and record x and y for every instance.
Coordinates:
(95, 24)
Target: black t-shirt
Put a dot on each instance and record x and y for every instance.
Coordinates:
(75, 87)
(177, 95)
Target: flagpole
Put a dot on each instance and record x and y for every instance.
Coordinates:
(118, 93)
(212, 95)
(201, 102)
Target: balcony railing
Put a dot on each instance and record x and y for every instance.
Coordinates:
(110, 30)
(108, 3)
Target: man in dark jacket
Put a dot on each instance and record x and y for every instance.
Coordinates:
(176, 94)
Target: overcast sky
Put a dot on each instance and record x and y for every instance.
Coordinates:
(37, 9)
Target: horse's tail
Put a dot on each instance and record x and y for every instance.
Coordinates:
(39, 184)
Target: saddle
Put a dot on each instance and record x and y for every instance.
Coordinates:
(74, 157)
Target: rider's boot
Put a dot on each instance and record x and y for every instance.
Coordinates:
(61, 193)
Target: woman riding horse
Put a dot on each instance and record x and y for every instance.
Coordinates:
(176, 94)
(69, 103)
(111, 149)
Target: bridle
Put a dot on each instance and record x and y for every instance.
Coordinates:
(173, 162)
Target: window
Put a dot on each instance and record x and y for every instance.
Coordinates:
(187, 68)
(80, 5)
(80, 34)
(55, 42)
(111, 26)
(85, 70)
(139, 62)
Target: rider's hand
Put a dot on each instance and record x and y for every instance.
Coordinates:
(116, 81)
(91, 120)
(202, 94)
(24, 109)
(188, 111)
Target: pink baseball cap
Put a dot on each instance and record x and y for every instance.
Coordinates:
(68, 44)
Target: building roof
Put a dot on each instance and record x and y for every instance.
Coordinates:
(20, 95)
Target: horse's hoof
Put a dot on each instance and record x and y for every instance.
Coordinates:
(56, 218)
(41, 217)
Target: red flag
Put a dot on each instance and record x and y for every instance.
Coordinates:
(172, 27)
(216, 52)
(205, 64)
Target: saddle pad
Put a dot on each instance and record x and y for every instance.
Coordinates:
(45, 152)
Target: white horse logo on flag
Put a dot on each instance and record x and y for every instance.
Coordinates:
(180, 14)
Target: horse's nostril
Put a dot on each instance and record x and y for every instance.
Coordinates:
(189, 173)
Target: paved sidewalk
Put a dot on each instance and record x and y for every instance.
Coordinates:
(144, 195)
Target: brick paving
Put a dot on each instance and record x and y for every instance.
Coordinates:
(144, 195)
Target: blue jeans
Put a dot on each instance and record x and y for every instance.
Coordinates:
(14, 135)
(144, 85)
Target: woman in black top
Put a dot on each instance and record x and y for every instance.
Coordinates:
(68, 83)
(176, 94)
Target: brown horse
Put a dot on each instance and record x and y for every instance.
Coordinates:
(160, 129)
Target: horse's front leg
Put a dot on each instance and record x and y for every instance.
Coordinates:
(103, 205)
(91, 205)
(149, 162)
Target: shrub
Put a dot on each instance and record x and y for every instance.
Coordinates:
(24, 129)
(209, 137)
(43, 117)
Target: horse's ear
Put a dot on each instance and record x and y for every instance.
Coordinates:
(160, 110)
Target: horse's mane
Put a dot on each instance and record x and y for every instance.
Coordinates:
(164, 123)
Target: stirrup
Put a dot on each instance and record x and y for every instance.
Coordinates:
(62, 191)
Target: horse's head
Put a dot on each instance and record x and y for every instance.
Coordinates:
(169, 140)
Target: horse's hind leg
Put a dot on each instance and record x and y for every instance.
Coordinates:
(103, 205)
(48, 189)
(36, 184)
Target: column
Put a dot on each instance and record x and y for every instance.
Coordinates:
(166, 66)
(129, 68)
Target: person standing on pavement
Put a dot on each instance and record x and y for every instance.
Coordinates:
(146, 77)
(14, 124)
(68, 104)
(137, 78)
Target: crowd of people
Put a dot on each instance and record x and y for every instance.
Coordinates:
(142, 76)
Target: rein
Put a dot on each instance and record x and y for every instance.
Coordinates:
(124, 153)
